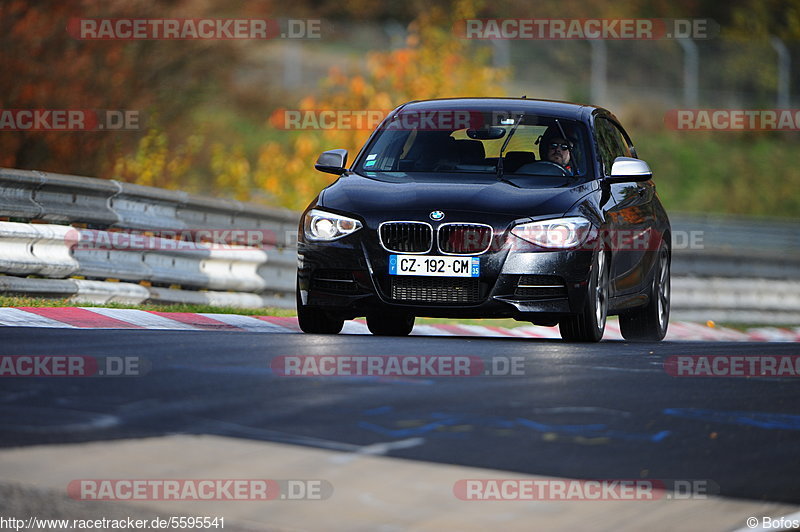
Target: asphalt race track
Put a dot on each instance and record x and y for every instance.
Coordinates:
(607, 410)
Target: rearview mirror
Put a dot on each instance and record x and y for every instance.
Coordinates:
(486, 133)
(332, 161)
(628, 169)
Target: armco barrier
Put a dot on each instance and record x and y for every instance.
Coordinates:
(105, 292)
(229, 274)
(37, 249)
(164, 261)
(743, 263)
(147, 208)
(16, 193)
(103, 203)
(69, 198)
(742, 236)
(728, 300)
(745, 270)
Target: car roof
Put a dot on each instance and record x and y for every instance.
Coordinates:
(566, 110)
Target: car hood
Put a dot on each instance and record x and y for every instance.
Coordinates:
(360, 195)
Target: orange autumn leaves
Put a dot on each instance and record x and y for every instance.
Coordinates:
(433, 64)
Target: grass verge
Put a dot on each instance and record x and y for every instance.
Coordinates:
(19, 301)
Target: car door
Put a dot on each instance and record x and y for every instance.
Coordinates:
(630, 211)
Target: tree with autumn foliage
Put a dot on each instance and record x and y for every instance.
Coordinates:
(44, 67)
(205, 130)
(433, 64)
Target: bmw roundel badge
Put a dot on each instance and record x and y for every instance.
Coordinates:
(437, 215)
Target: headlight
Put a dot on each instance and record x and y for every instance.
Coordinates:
(326, 226)
(560, 233)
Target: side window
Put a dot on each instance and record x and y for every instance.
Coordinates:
(605, 144)
(611, 142)
(625, 141)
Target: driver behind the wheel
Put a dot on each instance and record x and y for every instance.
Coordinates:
(554, 148)
(558, 151)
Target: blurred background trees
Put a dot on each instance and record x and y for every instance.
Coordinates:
(45, 68)
(208, 108)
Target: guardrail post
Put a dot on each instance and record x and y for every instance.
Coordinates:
(784, 68)
(691, 65)
(599, 71)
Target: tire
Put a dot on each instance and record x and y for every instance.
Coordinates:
(390, 324)
(649, 323)
(315, 321)
(590, 324)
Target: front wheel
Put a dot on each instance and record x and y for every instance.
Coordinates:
(390, 324)
(589, 325)
(649, 323)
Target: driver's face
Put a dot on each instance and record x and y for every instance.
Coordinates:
(558, 151)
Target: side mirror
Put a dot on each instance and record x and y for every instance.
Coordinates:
(332, 161)
(628, 169)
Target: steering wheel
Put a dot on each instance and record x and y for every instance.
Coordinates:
(530, 166)
(561, 168)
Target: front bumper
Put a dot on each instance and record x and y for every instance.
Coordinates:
(349, 277)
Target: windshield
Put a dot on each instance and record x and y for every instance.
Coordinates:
(537, 149)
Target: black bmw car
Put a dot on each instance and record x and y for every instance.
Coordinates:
(488, 208)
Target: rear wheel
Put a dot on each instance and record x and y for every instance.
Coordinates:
(649, 323)
(390, 323)
(315, 321)
(589, 325)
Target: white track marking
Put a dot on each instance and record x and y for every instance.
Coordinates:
(141, 318)
(355, 327)
(14, 317)
(247, 323)
(377, 449)
(679, 330)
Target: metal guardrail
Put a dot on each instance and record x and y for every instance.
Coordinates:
(743, 236)
(736, 270)
(91, 260)
(744, 270)
(736, 300)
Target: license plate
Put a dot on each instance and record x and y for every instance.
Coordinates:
(434, 266)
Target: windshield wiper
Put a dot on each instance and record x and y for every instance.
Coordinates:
(564, 136)
(505, 145)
